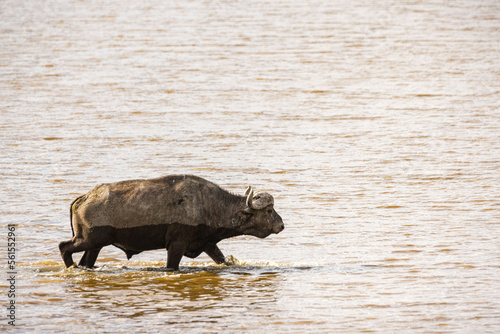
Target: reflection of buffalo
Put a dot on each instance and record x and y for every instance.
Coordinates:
(185, 214)
(202, 292)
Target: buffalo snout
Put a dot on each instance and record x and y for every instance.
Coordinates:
(278, 225)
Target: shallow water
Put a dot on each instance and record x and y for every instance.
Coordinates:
(374, 124)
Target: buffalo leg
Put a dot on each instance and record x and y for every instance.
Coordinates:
(75, 245)
(83, 260)
(175, 253)
(89, 257)
(65, 253)
(215, 253)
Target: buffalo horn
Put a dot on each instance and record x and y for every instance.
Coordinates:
(260, 201)
(249, 194)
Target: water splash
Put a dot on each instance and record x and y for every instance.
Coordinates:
(233, 261)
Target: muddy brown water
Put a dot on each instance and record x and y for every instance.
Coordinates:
(376, 126)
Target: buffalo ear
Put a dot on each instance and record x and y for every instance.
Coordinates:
(248, 210)
(245, 213)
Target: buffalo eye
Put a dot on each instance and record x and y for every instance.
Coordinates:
(269, 210)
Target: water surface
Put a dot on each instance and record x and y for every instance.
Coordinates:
(374, 124)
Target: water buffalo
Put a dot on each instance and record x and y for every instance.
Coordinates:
(184, 214)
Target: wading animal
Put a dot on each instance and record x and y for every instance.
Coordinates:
(184, 214)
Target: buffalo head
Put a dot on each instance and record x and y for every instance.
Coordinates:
(259, 217)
